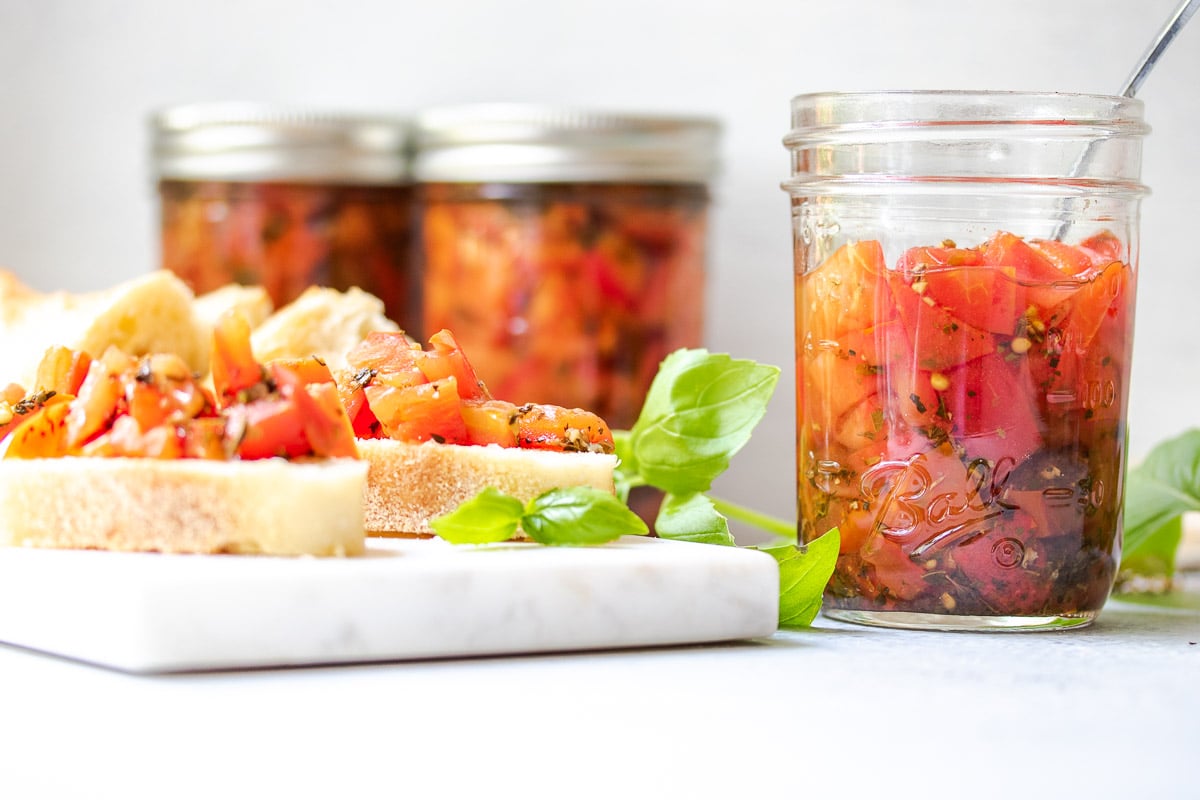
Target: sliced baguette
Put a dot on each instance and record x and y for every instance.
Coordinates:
(271, 506)
(151, 314)
(410, 484)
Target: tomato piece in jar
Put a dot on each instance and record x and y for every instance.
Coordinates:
(576, 291)
(940, 339)
(993, 412)
(847, 292)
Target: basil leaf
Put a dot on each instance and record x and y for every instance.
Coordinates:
(490, 516)
(1157, 493)
(625, 476)
(692, 518)
(803, 573)
(579, 515)
(1155, 558)
(700, 410)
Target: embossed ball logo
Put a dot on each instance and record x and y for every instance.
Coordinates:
(1008, 552)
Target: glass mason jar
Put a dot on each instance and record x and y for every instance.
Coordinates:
(965, 266)
(287, 200)
(564, 248)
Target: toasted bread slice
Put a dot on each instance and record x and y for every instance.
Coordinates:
(410, 484)
(271, 506)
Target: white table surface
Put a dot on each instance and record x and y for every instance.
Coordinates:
(836, 711)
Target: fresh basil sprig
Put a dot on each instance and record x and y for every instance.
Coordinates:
(1157, 493)
(570, 515)
(699, 412)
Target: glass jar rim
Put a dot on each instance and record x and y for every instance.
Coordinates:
(819, 115)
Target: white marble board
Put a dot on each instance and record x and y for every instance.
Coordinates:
(405, 599)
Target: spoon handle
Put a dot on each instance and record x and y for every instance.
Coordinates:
(1148, 59)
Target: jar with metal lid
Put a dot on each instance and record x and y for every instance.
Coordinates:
(287, 199)
(965, 266)
(564, 248)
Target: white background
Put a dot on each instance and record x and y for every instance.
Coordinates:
(77, 80)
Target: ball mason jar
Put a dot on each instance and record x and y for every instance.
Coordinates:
(965, 265)
(287, 199)
(564, 248)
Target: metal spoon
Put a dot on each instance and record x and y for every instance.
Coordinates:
(1171, 28)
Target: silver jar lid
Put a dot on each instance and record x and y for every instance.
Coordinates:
(516, 143)
(249, 142)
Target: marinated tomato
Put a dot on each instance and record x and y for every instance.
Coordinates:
(397, 390)
(961, 421)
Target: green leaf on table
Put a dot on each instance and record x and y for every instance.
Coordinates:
(490, 516)
(803, 573)
(579, 515)
(700, 411)
(692, 518)
(1157, 493)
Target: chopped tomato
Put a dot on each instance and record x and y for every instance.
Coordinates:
(362, 419)
(234, 368)
(1104, 247)
(99, 396)
(1010, 568)
(994, 409)
(847, 292)
(328, 428)
(268, 428)
(447, 359)
(892, 567)
(163, 390)
(127, 439)
(1068, 259)
(490, 422)
(390, 353)
(62, 370)
(41, 433)
(15, 406)
(326, 424)
(555, 428)
(940, 338)
(309, 370)
(205, 438)
(420, 413)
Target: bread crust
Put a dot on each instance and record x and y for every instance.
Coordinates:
(410, 484)
(271, 506)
